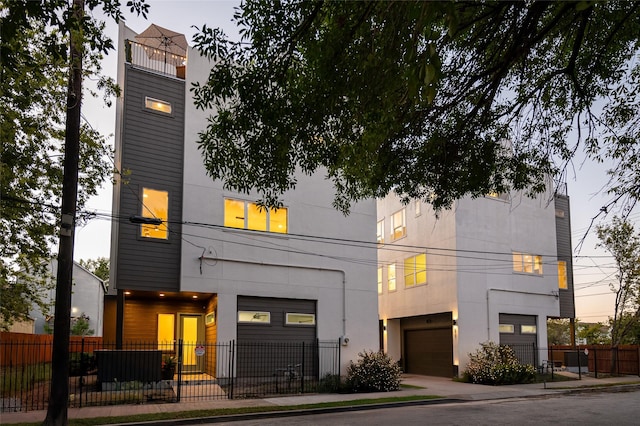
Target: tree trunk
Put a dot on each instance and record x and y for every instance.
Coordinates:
(58, 401)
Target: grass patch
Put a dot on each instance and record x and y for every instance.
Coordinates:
(18, 379)
(231, 411)
(402, 386)
(546, 377)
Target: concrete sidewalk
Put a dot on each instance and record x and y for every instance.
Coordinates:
(424, 385)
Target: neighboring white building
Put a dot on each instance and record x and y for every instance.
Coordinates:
(87, 298)
(219, 269)
(487, 269)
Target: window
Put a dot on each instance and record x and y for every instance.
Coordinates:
(528, 329)
(379, 280)
(415, 270)
(157, 105)
(418, 208)
(246, 215)
(527, 263)
(300, 319)
(380, 232)
(506, 328)
(391, 277)
(254, 316)
(166, 331)
(560, 213)
(398, 228)
(498, 195)
(562, 274)
(155, 205)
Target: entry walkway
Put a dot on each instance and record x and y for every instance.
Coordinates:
(420, 385)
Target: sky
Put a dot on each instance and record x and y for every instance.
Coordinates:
(585, 179)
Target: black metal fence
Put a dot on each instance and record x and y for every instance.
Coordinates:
(527, 353)
(138, 373)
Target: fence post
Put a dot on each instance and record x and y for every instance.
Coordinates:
(231, 359)
(179, 370)
(595, 361)
(302, 371)
(579, 363)
(82, 363)
(553, 363)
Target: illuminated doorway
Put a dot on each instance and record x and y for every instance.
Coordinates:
(192, 334)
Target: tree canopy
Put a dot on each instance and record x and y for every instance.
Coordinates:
(431, 100)
(33, 87)
(623, 242)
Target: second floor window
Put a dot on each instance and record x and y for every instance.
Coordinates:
(247, 215)
(379, 280)
(562, 274)
(398, 225)
(527, 263)
(155, 205)
(391, 277)
(415, 270)
(380, 232)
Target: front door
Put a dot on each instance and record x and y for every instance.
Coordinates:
(192, 334)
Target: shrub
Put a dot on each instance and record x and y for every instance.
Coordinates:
(495, 364)
(332, 383)
(374, 372)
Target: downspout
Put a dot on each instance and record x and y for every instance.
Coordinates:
(283, 265)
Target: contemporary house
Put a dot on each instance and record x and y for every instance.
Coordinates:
(493, 268)
(86, 299)
(194, 262)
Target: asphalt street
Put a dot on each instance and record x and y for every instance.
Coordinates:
(585, 408)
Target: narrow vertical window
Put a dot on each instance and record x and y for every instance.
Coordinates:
(418, 208)
(155, 205)
(379, 280)
(166, 331)
(391, 277)
(380, 232)
(398, 225)
(562, 274)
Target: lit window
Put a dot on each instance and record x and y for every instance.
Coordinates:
(166, 331)
(157, 105)
(418, 208)
(391, 277)
(560, 213)
(246, 215)
(398, 228)
(506, 328)
(528, 329)
(415, 270)
(380, 232)
(527, 263)
(155, 205)
(254, 316)
(379, 280)
(498, 195)
(300, 319)
(562, 274)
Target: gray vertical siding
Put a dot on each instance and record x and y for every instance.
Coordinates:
(152, 152)
(563, 236)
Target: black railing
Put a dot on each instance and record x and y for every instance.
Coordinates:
(142, 372)
(527, 353)
(155, 59)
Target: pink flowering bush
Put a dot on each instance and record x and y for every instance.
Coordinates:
(495, 364)
(374, 372)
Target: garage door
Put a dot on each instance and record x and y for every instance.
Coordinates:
(521, 333)
(429, 352)
(274, 333)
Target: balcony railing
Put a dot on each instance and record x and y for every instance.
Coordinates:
(154, 59)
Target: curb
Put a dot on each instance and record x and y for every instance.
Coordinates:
(290, 413)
